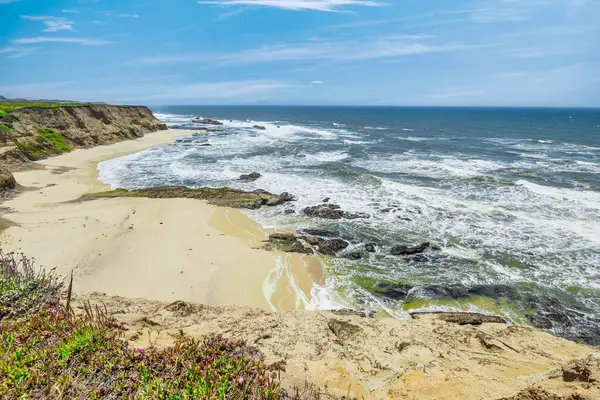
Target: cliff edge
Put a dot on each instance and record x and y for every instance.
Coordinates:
(35, 133)
(31, 132)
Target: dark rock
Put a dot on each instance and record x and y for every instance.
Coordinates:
(207, 121)
(371, 247)
(287, 242)
(320, 232)
(327, 211)
(326, 199)
(260, 127)
(250, 177)
(419, 258)
(281, 199)
(404, 250)
(332, 211)
(355, 255)
(289, 211)
(393, 291)
(327, 246)
(204, 145)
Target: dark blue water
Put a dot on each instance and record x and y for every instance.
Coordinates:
(510, 196)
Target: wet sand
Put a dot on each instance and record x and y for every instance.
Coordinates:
(158, 249)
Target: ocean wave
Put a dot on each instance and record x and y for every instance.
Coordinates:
(413, 138)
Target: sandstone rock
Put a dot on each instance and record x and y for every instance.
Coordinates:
(7, 180)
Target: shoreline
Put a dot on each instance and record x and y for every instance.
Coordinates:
(158, 249)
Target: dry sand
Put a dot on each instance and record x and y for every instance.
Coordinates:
(158, 249)
(422, 358)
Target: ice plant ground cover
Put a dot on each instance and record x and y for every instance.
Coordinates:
(47, 352)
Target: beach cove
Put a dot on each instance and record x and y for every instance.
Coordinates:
(158, 249)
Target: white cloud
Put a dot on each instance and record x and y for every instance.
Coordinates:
(128, 16)
(45, 39)
(53, 24)
(70, 11)
(297, 5)
(384, 47)
(317, 83)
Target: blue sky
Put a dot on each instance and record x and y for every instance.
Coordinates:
(365, 52)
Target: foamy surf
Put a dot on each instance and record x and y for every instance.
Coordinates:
(511, 210)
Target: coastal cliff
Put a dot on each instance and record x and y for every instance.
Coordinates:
(35, 133)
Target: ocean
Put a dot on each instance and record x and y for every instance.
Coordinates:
(508, 197)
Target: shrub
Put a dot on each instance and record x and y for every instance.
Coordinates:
(46, 352)
(56, 140)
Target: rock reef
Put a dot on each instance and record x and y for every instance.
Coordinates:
(224, 197)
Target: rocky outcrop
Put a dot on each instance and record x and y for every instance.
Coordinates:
(404, 250)
(251, 177)
(304, 244)
(7, 181)
(332, 211)
(207, 121)
(37, 133)
(345, 354)
(224, 197)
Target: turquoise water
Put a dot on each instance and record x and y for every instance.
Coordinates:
(511, 197)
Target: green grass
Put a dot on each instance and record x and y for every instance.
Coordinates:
(46, 352)
(7, 106)
(4, 128)
(56, 140)
(46, 143)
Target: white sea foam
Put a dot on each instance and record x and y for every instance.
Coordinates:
(554, 231)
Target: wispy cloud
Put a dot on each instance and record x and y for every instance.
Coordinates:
(70, 11)
(18, 52)
(53, 24)
(385, 47)
(317, 83)
(8, 1)
(128, 16)
(45, 39)
(298, 5)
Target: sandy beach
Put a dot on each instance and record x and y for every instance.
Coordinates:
(159, 249)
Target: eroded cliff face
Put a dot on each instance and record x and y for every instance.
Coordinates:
(38, 133)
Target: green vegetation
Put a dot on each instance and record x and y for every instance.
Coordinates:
(6, 106)
(47, 352)
(56, 140)
(46, 143)
(4, 128)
